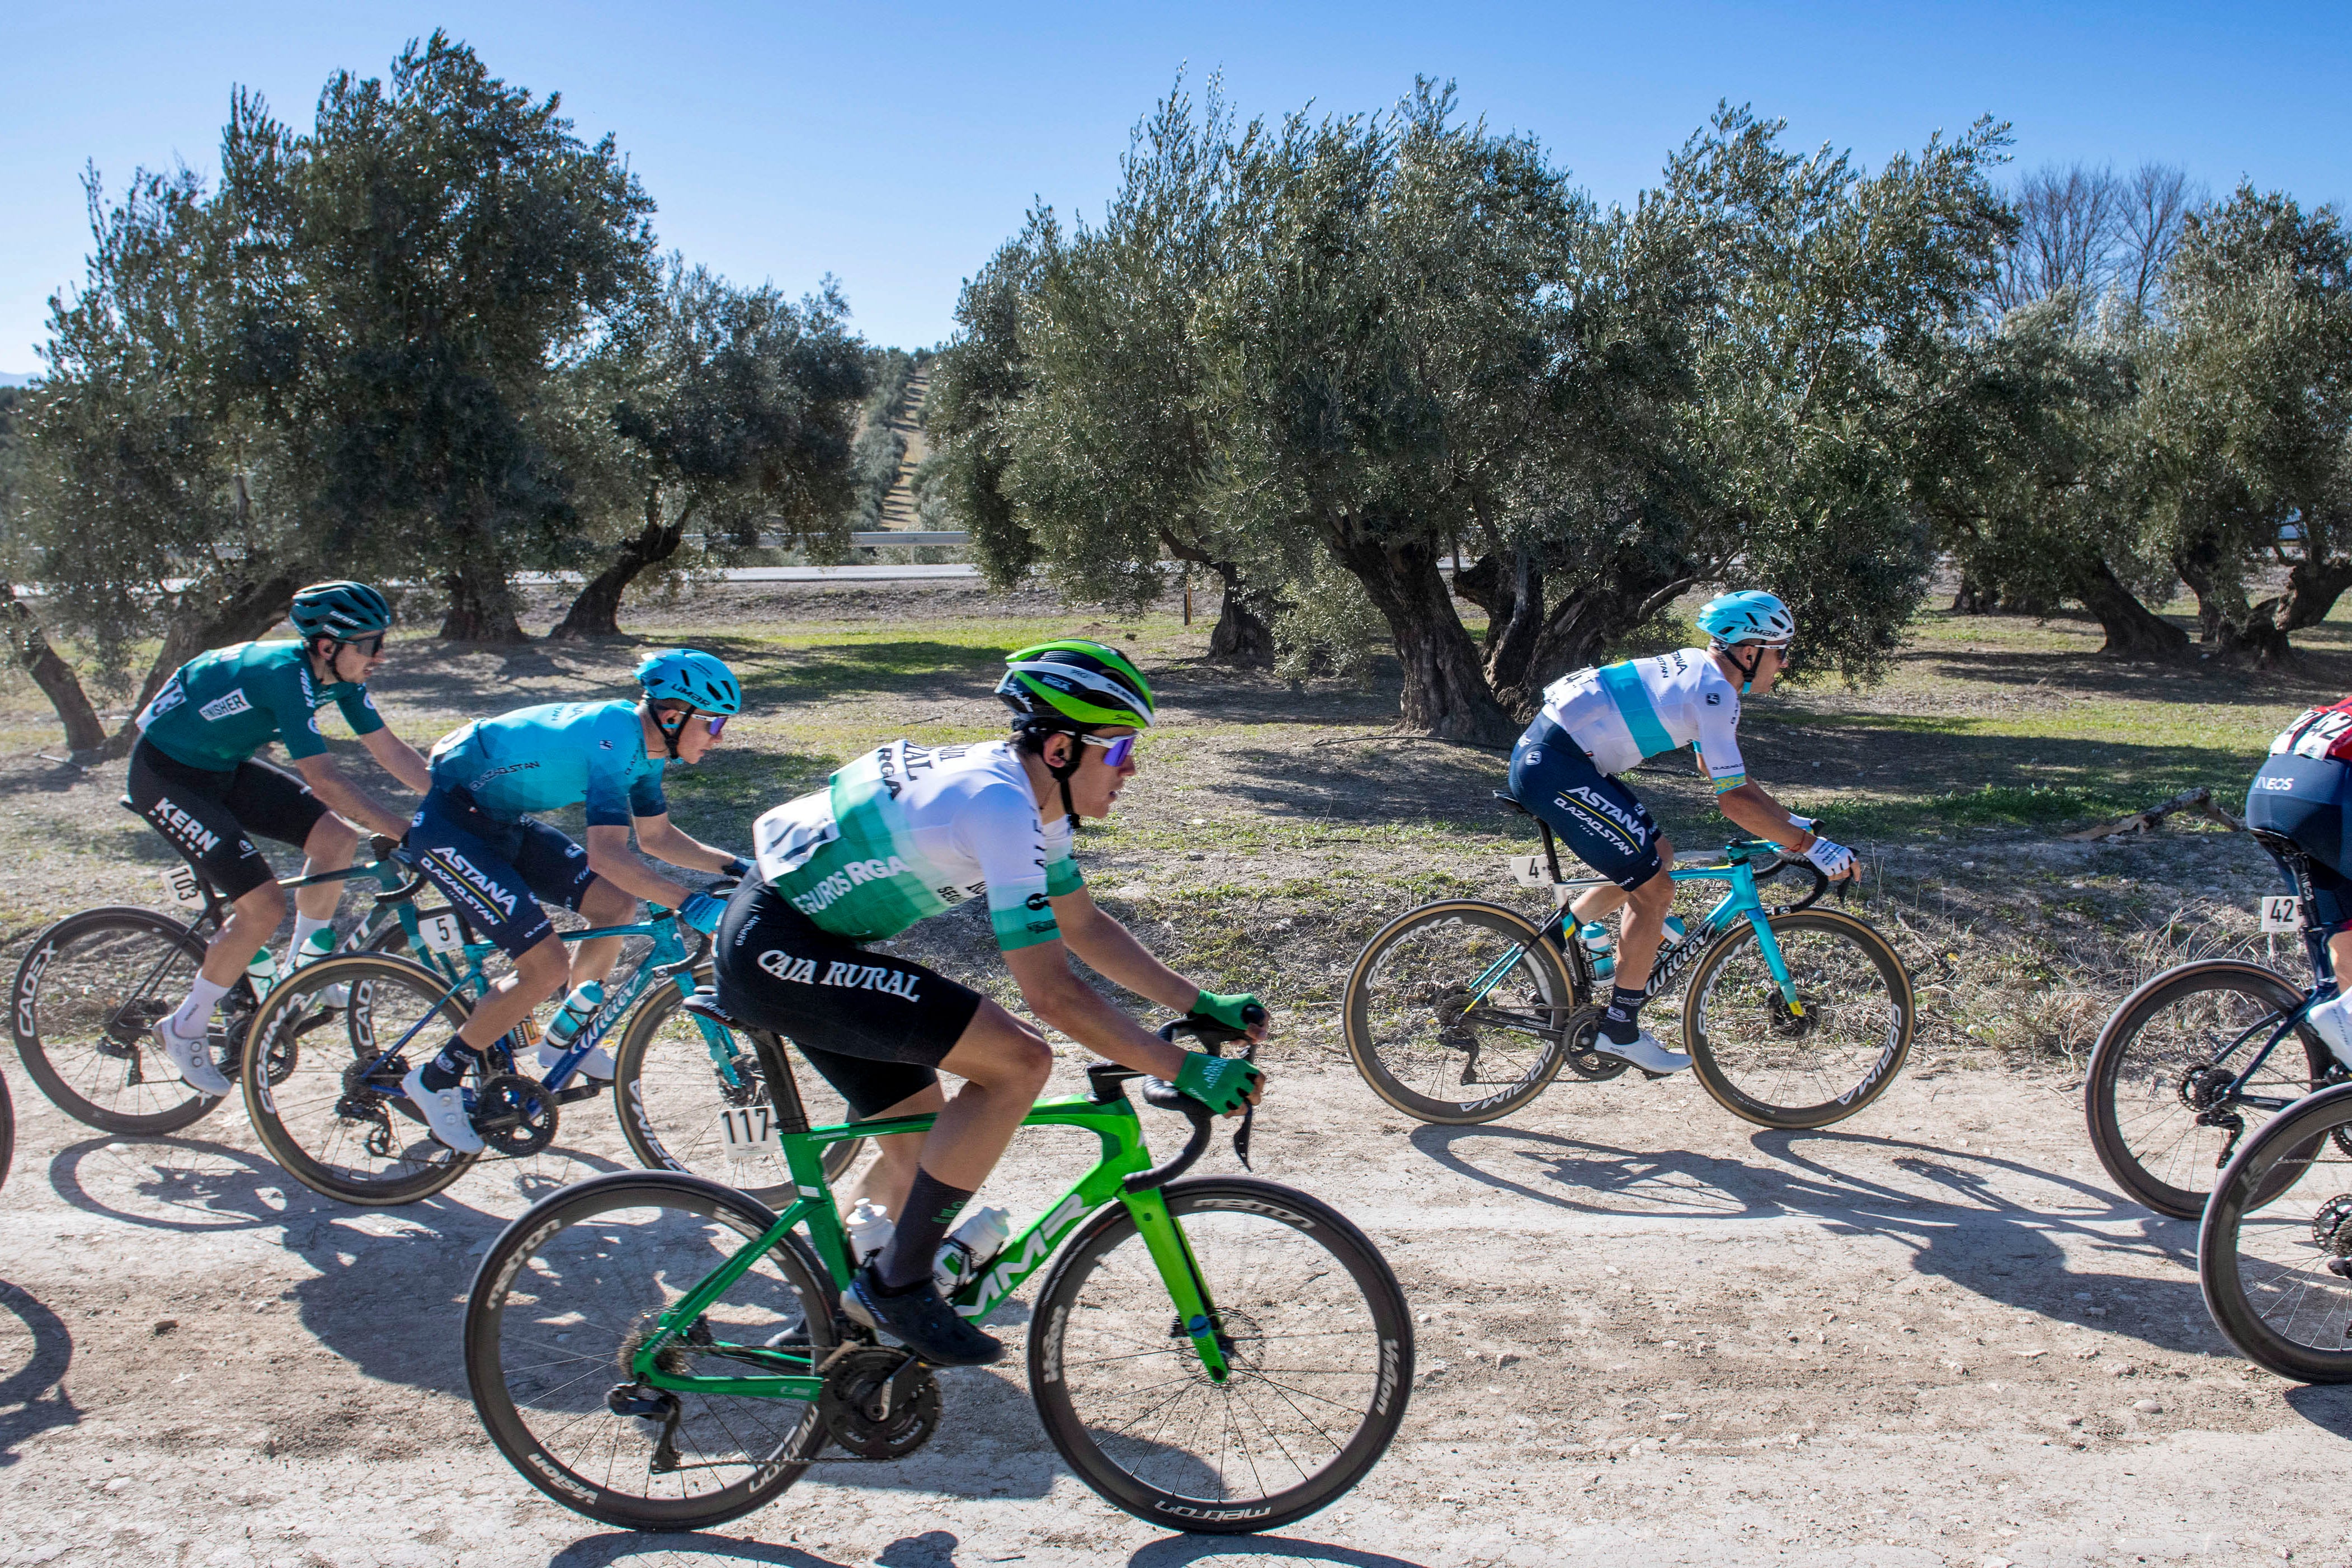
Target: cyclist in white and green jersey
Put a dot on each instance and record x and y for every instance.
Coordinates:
(903, 833)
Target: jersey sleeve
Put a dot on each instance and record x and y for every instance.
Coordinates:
(646, 797)
(1062, 876)
(290, 696)
(358, 708)
(1000, 830)
(1718, 735)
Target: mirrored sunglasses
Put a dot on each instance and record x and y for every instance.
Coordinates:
(718, 723)
(1115, 751)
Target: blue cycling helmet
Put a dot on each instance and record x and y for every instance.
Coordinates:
(1748, 616)
(341, 609)
(689, 676)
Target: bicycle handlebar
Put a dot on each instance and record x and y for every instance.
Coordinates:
(1215, 1037)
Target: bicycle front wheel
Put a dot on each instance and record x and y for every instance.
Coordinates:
(1317, 1342)
(559, 1309)
(87, 999)
(2275, 1247)
(669, 1094)
(322, 1070)
(2162, 1117)
(1809, 1066)
(1457, 1012)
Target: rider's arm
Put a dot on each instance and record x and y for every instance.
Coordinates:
(400, 759)
(610, 857)
(347, 799)
(1111, 950)
(1755, 810)
(666, 841)
(1053, 991)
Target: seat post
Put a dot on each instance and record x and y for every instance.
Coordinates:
(1552, 850)
(783, 1088)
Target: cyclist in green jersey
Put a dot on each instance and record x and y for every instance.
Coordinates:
(195, 779)
(905, 832)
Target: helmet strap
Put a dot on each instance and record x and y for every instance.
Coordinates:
(1747, 670)
(669, 732)
(1034, 736)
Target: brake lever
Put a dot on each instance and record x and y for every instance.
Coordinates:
(1242, 1132)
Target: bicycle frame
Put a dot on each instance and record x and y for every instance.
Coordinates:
(2322, 986)
(1112, 1119)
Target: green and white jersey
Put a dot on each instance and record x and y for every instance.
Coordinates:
(908, 830)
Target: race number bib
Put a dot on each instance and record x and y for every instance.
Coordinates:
(180, 887)
(2282, 912)
(440, 933)
(749, 1131)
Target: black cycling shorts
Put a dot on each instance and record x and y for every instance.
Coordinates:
(498, 872)
(1603, 822)
(874, 1025)
(2305, 798)
(205, 815)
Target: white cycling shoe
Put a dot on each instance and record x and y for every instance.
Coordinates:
(597, 1063)
(444, 1111)
(1645, 1052)
(191, 1059)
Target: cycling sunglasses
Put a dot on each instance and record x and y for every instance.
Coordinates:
(1115, 751)
(369, 647)
(718, 723)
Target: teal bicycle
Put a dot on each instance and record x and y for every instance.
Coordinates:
(665, 1352)
(1795, 1017)
(332, 1043)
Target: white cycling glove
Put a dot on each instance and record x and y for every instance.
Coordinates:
(1803, 824)
(1831, 860)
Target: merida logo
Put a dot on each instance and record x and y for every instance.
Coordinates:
(821, 893)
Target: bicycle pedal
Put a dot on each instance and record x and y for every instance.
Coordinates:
(579, 1091)
(1653, 1077)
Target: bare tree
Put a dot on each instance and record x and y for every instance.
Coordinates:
(2157, 200)
(2069, 221)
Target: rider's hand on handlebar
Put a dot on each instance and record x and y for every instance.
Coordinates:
(1233, 1011)
(1227, 1085)
(1833, 860)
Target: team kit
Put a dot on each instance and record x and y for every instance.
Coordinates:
(798, 928)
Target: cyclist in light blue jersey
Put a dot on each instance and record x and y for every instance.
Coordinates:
(474, 839)
(1598, 724)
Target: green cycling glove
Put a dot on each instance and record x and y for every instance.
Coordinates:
(1226, 1010)
(1223, 1083)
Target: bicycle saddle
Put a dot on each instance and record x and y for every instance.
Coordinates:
(705, 1005)
(1508, 798)
(2278, 843)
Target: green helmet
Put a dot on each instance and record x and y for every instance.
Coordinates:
(1075, 684)
(341, 609)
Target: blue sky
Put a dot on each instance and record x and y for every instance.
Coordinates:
(894, 146)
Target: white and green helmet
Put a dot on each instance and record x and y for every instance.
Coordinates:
(1074, 684)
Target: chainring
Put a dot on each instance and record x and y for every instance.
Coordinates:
(853, 1381)
(1583, 1031)
(514, 1116)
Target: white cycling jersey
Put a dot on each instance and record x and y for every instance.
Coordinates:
(1622, 714)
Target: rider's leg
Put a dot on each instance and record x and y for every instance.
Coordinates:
(885, 1181)
(251, 921)
(1645, 920)
(602, 905)
(537, 972)
(329, 847)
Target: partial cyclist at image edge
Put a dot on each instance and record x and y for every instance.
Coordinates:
(1599, 724)
(2302, 792)
(474, 839)
(196, 778)
(903, 833)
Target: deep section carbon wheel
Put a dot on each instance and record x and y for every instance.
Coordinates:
(88, 997)
(2274, 1252)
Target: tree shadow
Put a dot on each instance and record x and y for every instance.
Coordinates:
(33, 1398)
(1956, 1227)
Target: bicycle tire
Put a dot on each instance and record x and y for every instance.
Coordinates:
(667, 1100)
(1408, 1035)
(2261, 1263)
(1128, 1319)
(547, 1376)
(8, 1130)
(325, 1107)
(161, 955)
(2135, 1090)
(1739, 1062)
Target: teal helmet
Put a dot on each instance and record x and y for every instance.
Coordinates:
(1748, 616)
(341, 609)
(690, 676)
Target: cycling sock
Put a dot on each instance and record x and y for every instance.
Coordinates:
(1622, 1021)
(303, 927)
(931, 1208)
(198, 1010)
(444, 1070)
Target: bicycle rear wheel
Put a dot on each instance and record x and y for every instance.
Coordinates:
(554, 1318)
(2157, 1100)
(1457, 1012)
(329, 1107)
(2276, 1231)
(669, 1094)
(1788, 1069)
(1316, 1333)
(87, 999)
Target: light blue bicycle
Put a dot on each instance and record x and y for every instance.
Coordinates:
(1462, 1011)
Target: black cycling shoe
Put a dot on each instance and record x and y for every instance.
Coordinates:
(921, 1320)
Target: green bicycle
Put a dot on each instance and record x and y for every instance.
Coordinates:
(336, 1037)
(1462, 1012)
(662, 1352)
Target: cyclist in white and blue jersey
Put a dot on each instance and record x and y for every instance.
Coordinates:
(1599, 724)
(474, 839)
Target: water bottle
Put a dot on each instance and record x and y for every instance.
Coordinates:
(869, 1229)
(261, 972)
(969, 1247)
(1600, 945)
(577, 1010)
(1676, 931)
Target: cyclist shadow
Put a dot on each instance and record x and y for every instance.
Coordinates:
(423, 1254)
(1170, 1552)
(655, 1549)
(33, 1398)
(1956, 1222)
(2327, 1407)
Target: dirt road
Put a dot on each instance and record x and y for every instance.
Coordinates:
(1648, 1333)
